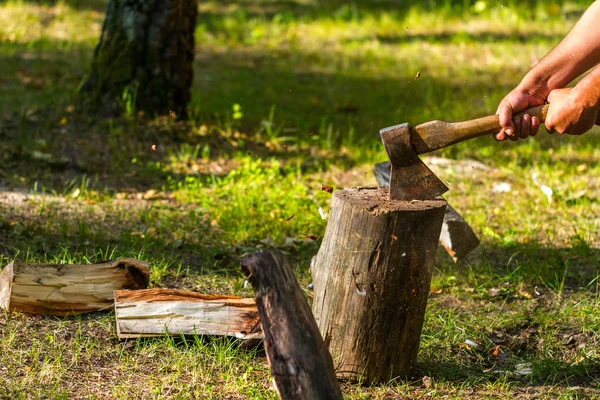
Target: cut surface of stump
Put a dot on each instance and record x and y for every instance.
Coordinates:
(159, 312)
(301, 366)
(372, 277)
(68, 289)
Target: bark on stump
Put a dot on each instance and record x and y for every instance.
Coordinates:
(372, 277)
(301, 366)
(145, 55)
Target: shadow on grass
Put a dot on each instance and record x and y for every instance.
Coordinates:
(560, 269)
(544, 372)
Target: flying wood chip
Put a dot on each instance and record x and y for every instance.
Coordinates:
(326, 188)
(418, 75)
(289, 218)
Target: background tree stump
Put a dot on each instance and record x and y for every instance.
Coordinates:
(372, 277)
(145, 55)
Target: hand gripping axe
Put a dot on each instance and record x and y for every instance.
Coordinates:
(410, 178)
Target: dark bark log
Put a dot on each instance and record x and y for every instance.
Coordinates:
(145, 56)
(372, 277)
(301, 366)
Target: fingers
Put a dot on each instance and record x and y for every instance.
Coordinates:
(517, 131)
(535, 126)
(525, 126)
(505, 118)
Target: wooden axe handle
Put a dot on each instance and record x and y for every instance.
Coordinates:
(437, 134)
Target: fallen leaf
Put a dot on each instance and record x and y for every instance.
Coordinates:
(418, 75)
(312, 237)
(495, 351)
(63, 121)
(150, 194)
(474, 345)
(70, 108)
(501, 187)
(427, 381)
(525, 295)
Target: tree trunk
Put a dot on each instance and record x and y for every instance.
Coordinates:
(372, 277)
(145, 55)
(300, 364)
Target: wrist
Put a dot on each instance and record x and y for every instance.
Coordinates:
(587, 96)
(535, 85)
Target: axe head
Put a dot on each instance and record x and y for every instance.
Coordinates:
(410, 178)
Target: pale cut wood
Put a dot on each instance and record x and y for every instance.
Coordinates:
(68, 289)
(301, 366)
(372, 278)
(160, 312)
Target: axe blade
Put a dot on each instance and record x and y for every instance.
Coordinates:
(410, 178)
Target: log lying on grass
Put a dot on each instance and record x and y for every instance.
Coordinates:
(301, 366)
(68, 289)
(159, 312)
(372, 277)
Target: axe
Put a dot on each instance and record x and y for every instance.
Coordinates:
(457, 236)
(410, 178)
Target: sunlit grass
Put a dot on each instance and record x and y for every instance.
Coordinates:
(288, 96)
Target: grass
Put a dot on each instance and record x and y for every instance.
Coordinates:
(287, 96)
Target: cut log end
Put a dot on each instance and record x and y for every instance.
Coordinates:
(376, 199)
(68, 289)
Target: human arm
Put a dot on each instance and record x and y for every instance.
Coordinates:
(575, 54)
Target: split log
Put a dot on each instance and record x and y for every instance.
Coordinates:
(372, 278)
(68, 289)
(457, 236)
(301, 366)
(160, 312)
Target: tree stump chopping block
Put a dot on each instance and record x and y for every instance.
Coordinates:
(372, 278)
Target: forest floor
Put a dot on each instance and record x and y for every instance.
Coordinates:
(288, 96)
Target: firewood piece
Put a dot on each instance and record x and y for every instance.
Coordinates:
(372, 277)
(301, 366)
(68, 289)
(160, 312)
(457, 236)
